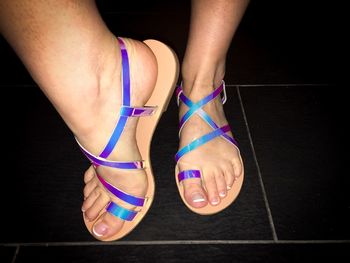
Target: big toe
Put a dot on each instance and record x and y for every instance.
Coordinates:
(194, 193)
(107, 226)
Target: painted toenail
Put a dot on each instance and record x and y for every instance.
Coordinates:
(100, 229)
(197, 197)
(222, 194)
(215, 201)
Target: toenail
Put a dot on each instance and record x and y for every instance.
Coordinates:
(100, 229)
(198, 197)
(83, 210)
(222, 194)
(228, 187)
(215, 201)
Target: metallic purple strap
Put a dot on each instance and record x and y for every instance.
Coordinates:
(130, 199)
(200, 141)
(196, 106)
(136, 111)
(125, 73)
(187, 174)
(202, 113)
(126, 101)
(121, 212)
(114, 164)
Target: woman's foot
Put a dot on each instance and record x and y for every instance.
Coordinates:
(99, 126)
(218, 160)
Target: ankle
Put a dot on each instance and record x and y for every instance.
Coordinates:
(93, 92)
(203, 80)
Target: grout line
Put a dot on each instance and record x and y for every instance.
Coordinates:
(173, 242)
(15, 254)
(268, 210)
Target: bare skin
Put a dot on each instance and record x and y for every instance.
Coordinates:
(76, 62)
(203, 69)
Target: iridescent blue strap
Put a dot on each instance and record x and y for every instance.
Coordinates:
(200, 141)
(126, 101)
(130, 199)
(181, 96)
(114, 164)
(136, 111)
(121, 212)
(188, 174)
(196, 106)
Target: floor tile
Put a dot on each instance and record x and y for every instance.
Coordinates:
(7, 254)
(300, 141)
(188, 253)
(46, 181)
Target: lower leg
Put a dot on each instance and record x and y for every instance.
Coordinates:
(59, 41)
(213, 24)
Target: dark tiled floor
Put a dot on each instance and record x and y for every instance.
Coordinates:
(54, 166)
(294, 205)
(7, 254)
(188, 253)
(300, 140)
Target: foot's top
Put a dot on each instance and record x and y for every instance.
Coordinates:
(208, 158)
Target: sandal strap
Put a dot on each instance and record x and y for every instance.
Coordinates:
(202, 113)
(125, 99)
(121, 212)
(201, 140)
(188, 174)
(99, 161)
(130, 199)
(196, 108)
(128, 111)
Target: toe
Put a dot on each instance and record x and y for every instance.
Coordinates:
(90, 199)
(95, 209)
(237, 167)
(89, 174)
(194, 192)
(221, 184)
(212, 190)
(229, 176)
(89, 188)
(107, 226)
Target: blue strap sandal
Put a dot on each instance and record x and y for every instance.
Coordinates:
(166, 80)
(197, 108)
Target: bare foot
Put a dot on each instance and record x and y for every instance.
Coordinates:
(143, 74)
(218, 160)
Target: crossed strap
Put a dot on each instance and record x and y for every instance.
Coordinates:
(126, 111)
(196, 108)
